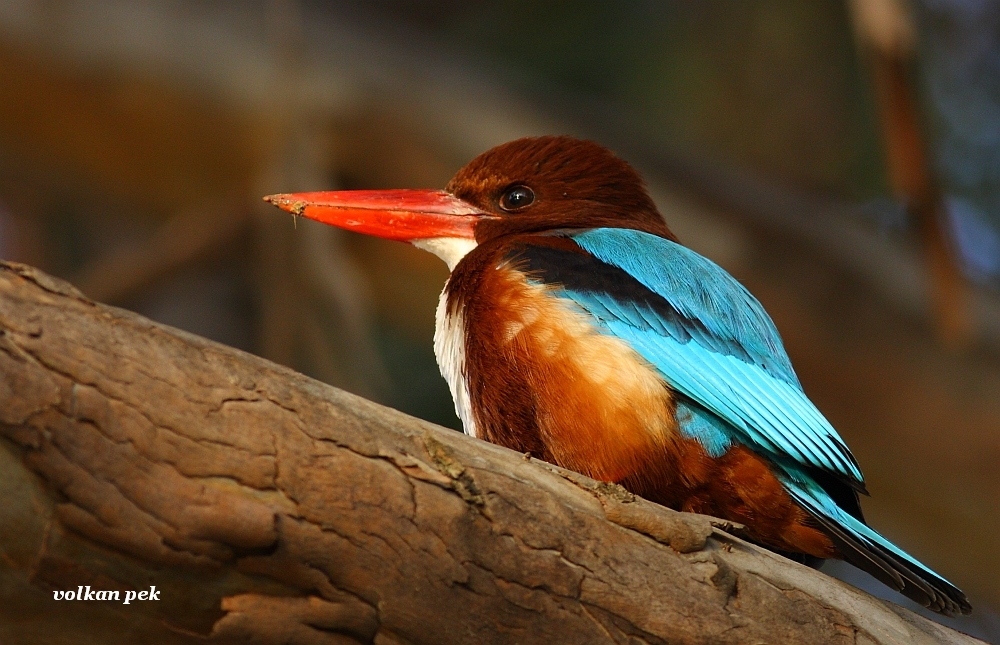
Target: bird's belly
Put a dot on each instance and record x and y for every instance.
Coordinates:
(542, 378)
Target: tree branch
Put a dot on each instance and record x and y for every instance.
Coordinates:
(268, 508)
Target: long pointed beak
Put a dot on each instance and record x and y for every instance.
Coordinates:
(403, 215)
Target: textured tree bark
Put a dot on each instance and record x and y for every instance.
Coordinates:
(268, 508)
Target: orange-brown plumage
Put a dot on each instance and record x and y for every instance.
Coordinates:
(544, 380)
(741, 486)
(586, 400)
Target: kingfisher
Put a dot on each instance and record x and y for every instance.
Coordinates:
(575, 327)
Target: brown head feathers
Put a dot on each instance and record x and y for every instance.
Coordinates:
(571, 183)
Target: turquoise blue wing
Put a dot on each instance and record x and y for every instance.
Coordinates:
(704, 332)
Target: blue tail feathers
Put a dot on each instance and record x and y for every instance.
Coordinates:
(860, 545)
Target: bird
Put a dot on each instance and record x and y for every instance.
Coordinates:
(574, 326)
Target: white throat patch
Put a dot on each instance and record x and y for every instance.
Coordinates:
(449, 328)
(449, 349)
(449, 249)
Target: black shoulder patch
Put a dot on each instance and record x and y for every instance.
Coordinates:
(612, 292)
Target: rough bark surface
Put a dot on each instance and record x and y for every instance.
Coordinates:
(269, 508)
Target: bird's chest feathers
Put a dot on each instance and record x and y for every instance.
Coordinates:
(530, 371)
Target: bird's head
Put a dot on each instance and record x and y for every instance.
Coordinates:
(530, 185)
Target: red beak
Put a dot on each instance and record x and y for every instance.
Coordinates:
(403, 215)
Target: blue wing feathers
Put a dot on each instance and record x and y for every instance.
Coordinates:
(719, 348)
(698, 288)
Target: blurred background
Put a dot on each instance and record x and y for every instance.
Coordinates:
(842, 159)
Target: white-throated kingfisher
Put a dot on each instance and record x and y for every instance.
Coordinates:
(576, 328)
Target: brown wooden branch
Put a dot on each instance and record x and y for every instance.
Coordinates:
(268, 508)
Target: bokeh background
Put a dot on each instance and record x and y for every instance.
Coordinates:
(840, 158)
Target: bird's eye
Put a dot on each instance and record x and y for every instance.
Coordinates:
(516, 198)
